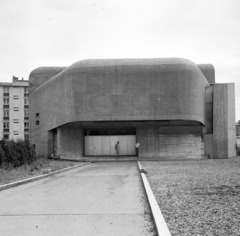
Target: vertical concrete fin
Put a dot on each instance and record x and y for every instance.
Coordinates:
(223, 120)
(208, 110)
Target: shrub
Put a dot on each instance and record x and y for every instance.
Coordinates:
(2, 155)
(16, 153)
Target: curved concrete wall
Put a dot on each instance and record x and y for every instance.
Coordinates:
(208, 71)
(121, 89)
(41, 75)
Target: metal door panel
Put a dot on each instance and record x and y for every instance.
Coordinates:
(123, 145)
(89, 145)
(131, 150)
(97, 143)
(114, 140)
(106, 145)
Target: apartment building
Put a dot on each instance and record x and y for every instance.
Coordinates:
(14, 109)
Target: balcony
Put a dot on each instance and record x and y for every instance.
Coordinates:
(26, 106)
(6, 106)
(6, 130)
(5, 118)
(5, 94)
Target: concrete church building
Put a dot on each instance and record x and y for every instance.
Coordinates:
(171, 106)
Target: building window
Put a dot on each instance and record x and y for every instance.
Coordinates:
(6, 136)
(26, 136)
(16, 120)
(16, 97)
(6, 125)
(26, 124)
(16, 108)
(6, 101)
(26, 113)
(26, 90)
(26, 101)
(37, 122)
(16, 133)
(37, 114)
(5, 113)
(6, 89)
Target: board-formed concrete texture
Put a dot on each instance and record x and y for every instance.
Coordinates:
(167, 103)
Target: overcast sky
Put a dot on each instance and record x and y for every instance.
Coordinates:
(36, 33)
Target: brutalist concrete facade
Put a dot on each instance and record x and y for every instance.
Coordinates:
(172, 106)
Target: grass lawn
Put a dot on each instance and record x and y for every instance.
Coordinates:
(38, 167)
(198, 197)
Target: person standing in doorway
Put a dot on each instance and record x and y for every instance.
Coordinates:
(117, 149)
(137, 149)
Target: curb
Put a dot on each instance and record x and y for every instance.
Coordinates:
(160, 224)
(98, 159)
(24, 181)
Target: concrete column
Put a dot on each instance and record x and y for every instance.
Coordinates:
(70, 141)
(223, 120)
(58, 142)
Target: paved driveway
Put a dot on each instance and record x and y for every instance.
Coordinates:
(96, 199)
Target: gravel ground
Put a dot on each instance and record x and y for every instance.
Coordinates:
(198, 197)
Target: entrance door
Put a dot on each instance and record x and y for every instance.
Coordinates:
(105, 145)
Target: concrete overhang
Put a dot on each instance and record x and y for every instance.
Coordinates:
(120, 90)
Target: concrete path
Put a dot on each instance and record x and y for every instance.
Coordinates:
(96, 199)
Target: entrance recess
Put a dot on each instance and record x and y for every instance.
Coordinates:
(105, 145)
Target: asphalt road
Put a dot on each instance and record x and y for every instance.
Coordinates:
(95, 199)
